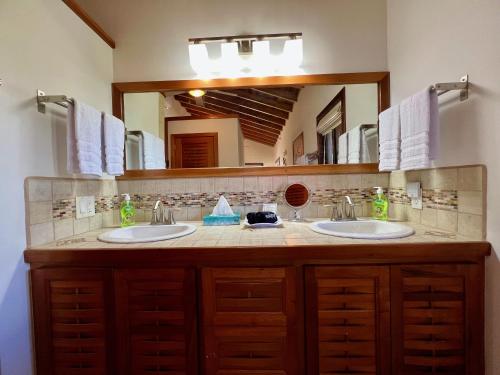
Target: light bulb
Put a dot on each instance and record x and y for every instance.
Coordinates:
(198, 58)
(230, 62)
(293, 54)
(262, 61)
(197, 93)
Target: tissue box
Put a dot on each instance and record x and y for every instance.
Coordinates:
(221, 220)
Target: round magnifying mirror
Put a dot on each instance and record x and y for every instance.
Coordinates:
(297, 196)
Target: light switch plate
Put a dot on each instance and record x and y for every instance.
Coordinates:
(416, 203)
(85, 206)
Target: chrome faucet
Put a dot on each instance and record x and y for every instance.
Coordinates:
(346, 212)
(162, 215)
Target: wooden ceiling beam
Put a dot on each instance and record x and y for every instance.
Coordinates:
(260, 128)
(258, 134)
(242, 102)
(265, 99)
(226, 111)
(235, 108)
(287, 93)
(204, 110)
(255, 139)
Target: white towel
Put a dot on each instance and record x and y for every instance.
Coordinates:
(149, 150)
(354, 145)
(342, 153)
(419, 130)
(390, 139)
(84, 152)
(160, 153)
(113, 131)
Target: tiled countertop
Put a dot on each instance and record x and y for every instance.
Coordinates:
(291, 234)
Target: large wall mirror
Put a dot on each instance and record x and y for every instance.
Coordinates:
(197, 126)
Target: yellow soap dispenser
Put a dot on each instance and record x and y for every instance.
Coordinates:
(380, 205)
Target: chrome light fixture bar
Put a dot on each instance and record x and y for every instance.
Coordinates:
(246, 55)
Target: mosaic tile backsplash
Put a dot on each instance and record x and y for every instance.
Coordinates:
(453, 199)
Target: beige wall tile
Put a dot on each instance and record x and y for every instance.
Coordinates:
(194, 213)
(339, 181)
(123, 187)
(95, 222)
(142, 215)
(353, 181)
(41, 233)
(207, 185)
(414, 215)
(107, 219)
(471, 226)
(311, 211)
(369, 181)
(181, 214)
(250, 184)
(447, 220)
(324, 182)
(39, 190)
(279, 183)
(470, 178)
(193, 185)
(40, 212)
(429, 217)
(234, 184)
(397, 179)
(63, 228)
(470, 202)
(265, 183)
(383, 179)
(81, 225)
(397, 211)
(81, 188)
(220, 184)
(324, 212)
(440, 178)
(109, 187)
(178, 185)
(62, 189)
(95, 188)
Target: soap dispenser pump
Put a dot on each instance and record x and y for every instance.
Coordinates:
(380, 205)
(127, 212)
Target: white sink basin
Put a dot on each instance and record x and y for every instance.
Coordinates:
(364, 229)
(147, 233)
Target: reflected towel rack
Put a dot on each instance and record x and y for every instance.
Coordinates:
(462, 85)
(61, 100)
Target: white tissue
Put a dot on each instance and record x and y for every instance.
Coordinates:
(222, 208)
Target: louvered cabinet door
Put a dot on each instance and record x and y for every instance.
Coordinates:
(71, 321)
(348, 320)
(437, 319)
(156, 321)
(250, 321)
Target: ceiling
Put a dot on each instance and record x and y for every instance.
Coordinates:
(262, 112)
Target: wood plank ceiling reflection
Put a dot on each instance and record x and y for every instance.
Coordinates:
(262, 112)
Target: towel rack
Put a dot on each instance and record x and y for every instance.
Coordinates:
(462, 85)
(61, 100)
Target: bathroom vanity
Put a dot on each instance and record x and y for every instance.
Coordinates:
(276, 301)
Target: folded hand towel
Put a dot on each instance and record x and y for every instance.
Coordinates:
(160, 153)
(354, 145)
(390, 139)
(419, 130)
(149, 150)
(84, 152)
(114, 143)
(342, 153)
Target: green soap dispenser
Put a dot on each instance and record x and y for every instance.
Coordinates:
(127, 211)
(380, 205)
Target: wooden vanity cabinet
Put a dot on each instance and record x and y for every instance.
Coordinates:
(251, 321)
(287, 317)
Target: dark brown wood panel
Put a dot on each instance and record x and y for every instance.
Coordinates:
(437, 319)
(72, 321)
(251, 321)
(348, 320)
(195, 150)
(156, 321)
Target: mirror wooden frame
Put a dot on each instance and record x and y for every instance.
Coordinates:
(382, 79)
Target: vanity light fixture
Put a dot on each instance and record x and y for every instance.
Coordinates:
(196, 93)
(247, 55)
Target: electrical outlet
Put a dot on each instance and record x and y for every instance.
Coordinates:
(85, 206)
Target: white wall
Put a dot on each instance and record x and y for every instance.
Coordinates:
(43, 45)
(228, 132)
(339, 35)
(438, 41)
(255, 152)
(144, 111)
